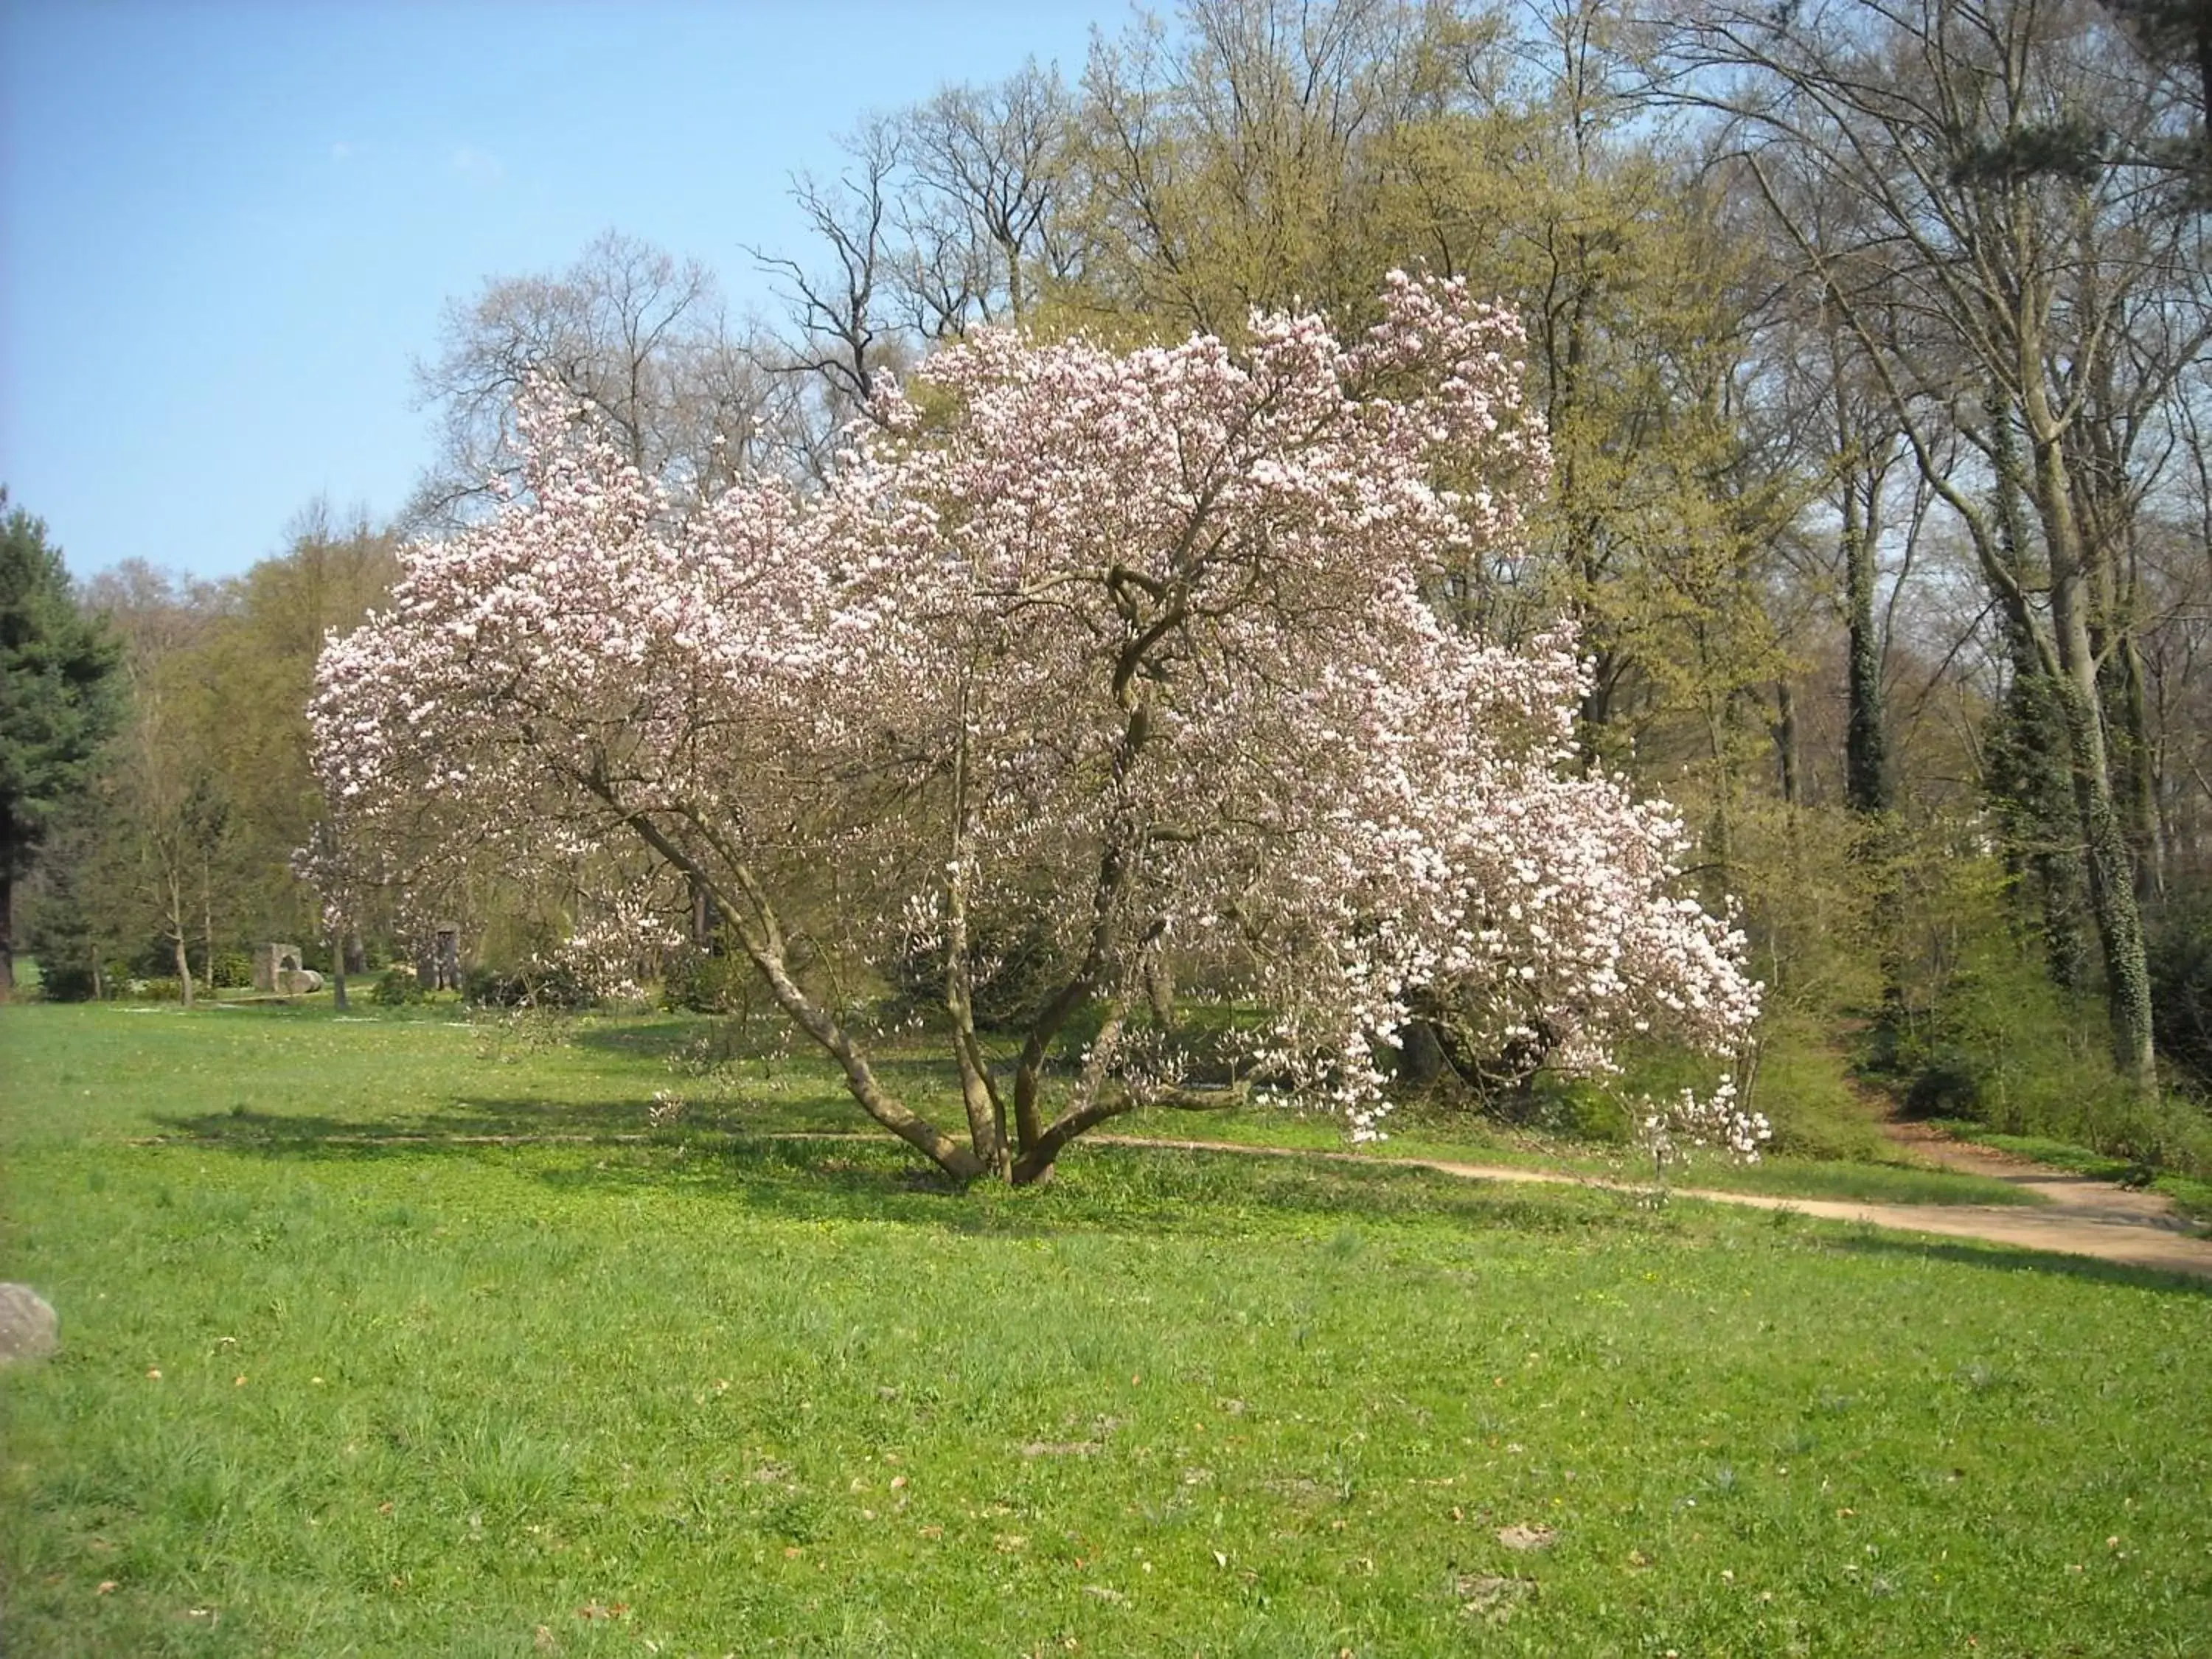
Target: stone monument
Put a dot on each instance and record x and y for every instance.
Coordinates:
(277, 968)
(437, 967)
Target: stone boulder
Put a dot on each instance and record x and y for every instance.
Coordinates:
(29, 1329)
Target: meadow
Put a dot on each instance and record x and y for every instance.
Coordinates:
(404, 1334)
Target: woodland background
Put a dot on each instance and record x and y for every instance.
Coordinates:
(1872, 342)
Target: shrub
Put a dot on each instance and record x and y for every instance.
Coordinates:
(66, 984)
(2181, 988)
(1999, 1043)
(708, 985)
(1020, 967)
(2005, 1047)
(1948, 1084)
(230, 970)
(395, 988)
(554, 986)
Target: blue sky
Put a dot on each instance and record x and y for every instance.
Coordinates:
(227, 230)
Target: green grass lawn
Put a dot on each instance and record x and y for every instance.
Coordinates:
(708, 1391)
(1892, 1180)
(1828, 1144)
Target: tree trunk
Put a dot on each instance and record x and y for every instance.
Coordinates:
(7, 925)
(2029, 775)
(761, 939)
(2127, 717)
(986, 1115)
(1866, 744)
(2112, 891)
(207, 925)
(2111, 861)
(1866, 777)
(2032, 787)
(184, 968)
(1159, 990)
(1784, 731)
(2099, 447)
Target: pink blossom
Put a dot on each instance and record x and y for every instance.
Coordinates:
(1128, 653)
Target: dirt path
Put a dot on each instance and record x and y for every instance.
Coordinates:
(2078, 1217)
(2082, 1218)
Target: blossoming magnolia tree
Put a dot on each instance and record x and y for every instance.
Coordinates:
(1127, 652)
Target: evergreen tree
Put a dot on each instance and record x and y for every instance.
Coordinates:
(58, 702)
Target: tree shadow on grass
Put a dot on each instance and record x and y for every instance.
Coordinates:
(2006, 1259)
(860, 1174)
(1096, 1189)
(466, 1122)
(742, 1045)
(809, 1159)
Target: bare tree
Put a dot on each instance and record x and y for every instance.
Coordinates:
(987, 168)
(641, 339)
(841, 331)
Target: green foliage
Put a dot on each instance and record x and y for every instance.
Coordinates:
(1798, 1080)
(396, 988)
(1808, 892)
(2181, 987)
(58, 667)
(1997, 1041)
(698, 983)
(230, 970)
(67, 981)
(1019, 969)
(1949, 1083)
(550, 987)
(1993, 1041)
(1803, 1085)
(718, 1392)
(186, 828)
(59, 700)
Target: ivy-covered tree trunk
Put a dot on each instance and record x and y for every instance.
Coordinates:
(2123, 700)
(2029, 773)
(1866, 744)
(2028, 786)
(1868, 791)
(2111, 861)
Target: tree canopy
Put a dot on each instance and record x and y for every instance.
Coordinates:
(57, 701)
(1126, 653)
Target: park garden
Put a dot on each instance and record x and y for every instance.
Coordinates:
(406, 1332)
(1395, 846)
